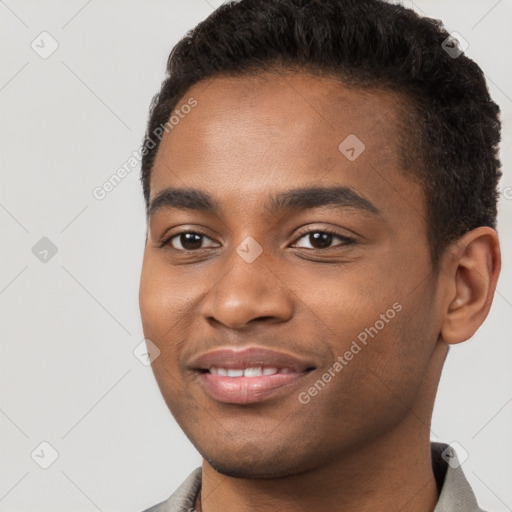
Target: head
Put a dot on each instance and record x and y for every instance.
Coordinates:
(339, 145)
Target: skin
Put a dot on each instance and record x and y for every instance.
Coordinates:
(362, 443)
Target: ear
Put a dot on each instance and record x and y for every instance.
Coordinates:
(470, 273)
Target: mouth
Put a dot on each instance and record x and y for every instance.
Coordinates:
(249, 375)
(254, 371)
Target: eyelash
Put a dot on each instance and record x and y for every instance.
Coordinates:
(345, 240)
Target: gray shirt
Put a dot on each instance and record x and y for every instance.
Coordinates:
(455, 493)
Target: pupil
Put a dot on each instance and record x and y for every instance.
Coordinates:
(190, 240)
(320, 240)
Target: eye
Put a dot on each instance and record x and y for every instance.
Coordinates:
(319, 239)
(187, 241)
(322, 239)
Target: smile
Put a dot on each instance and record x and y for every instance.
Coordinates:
(247, 372)
(248, 375)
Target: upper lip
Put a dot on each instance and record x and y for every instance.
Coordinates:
(249, 357)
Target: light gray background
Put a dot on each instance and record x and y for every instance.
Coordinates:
(69, 326)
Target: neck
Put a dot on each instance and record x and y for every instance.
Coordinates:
(392, 472)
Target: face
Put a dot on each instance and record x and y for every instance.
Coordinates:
(300, 249)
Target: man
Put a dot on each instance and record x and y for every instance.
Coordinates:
(320, 180)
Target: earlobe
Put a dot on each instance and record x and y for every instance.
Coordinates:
(473, 271)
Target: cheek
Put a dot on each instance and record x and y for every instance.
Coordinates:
(159, 298)
(373, 322)
(379, 382)
(348, 301)
(148, 296)
(158, 315)
(168, 304)
(164, 323)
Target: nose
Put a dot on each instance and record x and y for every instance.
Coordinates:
(248, 292)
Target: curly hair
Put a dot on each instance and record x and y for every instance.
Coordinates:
(450, 125)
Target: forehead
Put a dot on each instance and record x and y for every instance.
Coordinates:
(250, 135)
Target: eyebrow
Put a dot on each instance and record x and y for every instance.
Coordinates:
(295, 199)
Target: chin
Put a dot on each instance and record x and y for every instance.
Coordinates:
(255, 470)
(256, 462)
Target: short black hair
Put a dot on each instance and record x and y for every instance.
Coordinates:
(451, 127)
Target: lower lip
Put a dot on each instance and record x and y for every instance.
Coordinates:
(247, 390)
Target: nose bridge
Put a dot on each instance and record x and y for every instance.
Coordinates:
(248, 289)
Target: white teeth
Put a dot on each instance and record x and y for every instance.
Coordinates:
(234, 373)
(255, 371)
(252, 372)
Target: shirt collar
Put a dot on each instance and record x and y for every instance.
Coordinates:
(455, 493)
